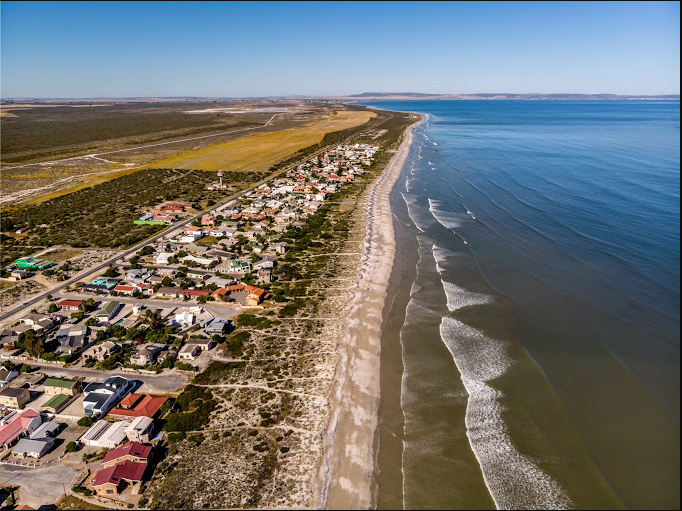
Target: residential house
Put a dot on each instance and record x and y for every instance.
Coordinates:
(7, 375)
(102, 351)
(55, 386)
(203, 344)
(18, 424)
(138, 405)
(130, 451)
(218, 326)
(56, 403)
(138, 276)
(13, 397)
(169, 292)
(33, 447)
(163, 257)
(105, 434)
(146, 354)
(110, 481)
(108, 310)
(141, 429)
(99, 398)
(70, 305)
(38, 322)
(184, 318)
(189, 352)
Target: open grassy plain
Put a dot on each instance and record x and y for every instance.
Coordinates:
(52, 149)
(260, 152)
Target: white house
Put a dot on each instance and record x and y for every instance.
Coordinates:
(99, 398)
(104, 434)
(163, 257)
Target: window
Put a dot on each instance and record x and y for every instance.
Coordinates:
(110, 491)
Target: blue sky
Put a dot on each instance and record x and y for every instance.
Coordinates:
(125, 49)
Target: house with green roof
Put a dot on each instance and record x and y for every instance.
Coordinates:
(56, 403)
(56, 386)
(31, 263)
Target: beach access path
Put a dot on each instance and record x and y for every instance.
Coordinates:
(346, 476)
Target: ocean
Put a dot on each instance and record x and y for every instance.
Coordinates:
(530, 349)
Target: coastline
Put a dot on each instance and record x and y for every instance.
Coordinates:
(346, 478)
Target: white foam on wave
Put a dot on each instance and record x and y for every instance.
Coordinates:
(446, 218)
(514, 481)
(413, 212)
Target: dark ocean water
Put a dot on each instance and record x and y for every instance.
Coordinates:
(539, 337)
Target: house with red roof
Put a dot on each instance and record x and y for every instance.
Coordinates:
(70, 305)
(130, 451)
(110, 481)
(139, 405)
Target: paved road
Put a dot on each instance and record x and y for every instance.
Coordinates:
(167, 381)
(215, 308)
(39, 486)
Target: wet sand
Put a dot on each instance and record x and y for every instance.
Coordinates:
(346, 478)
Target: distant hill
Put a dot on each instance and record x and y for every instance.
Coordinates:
(393, 94)
(501, 95)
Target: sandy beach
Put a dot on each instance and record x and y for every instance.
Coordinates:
(346, 475)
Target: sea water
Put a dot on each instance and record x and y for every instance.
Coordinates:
(531, 350)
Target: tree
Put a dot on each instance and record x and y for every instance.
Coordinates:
(202, 299)
(34, 345)
(166, 282)
(77, 315)
(89, 305)
(72, 446)
(25, 368)
(91, 322)
(52, 308)
(111, 272)
(255, 258)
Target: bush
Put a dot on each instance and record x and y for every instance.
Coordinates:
(72, 447)
(86, 421)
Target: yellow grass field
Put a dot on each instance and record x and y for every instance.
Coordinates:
(260, 152)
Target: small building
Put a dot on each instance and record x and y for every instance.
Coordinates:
(141, 429)
(218, 326)
(130, 451)
(189, 352)
(33, 448)
(13, 397)
(108, 310)
(70, 305)
(56, 403)
(53, 386)
(47, 429)
(204, 344)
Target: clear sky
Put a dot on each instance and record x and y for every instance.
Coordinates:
(235, 49)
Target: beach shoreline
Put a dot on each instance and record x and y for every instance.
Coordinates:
(346, 478)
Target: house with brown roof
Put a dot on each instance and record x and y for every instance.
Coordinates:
(111, 481)
(130, 451)
(139, 405)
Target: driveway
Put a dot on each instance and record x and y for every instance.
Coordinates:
(39, 486)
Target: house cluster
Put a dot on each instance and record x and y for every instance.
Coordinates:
(166, 213)
(128, 433)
